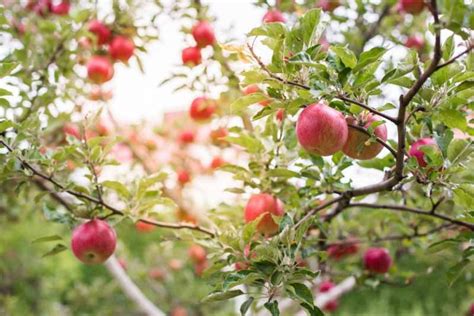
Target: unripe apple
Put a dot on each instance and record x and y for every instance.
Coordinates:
(187, 136)
(101, 31)
(377, 260)
(179, 311)
(202, 109)
(321, 130)
(339, 251)
(93, 242)
(415, 42)
(156, 273)
(203, 34)
(183, 177)
(273, 16)
(412, 6)
(324, 287)
(99, 69)
(61, 8)
(264, 205)
(415, 150)
(191, 56)
(144, 227)
(217, 162)
(280, 115)
(357, 145)
(328, 5)
(197, 253)
(121, 48)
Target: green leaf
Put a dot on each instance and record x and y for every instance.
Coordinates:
(6, 68)
(46, 239)
(378, 163)
(455, 271)
(281, 172)
(118, 187)
(241, 103)
(312, 310)
(221, 296)
(369, 57)
(4, 92)
(464, 196)
(252, 144)
(301, 292)
(56, 249)
(272, 307)
(273, 30)
(246, 305)
(453, 119)
(459, 149)
(5, 124)
(309, 23)
(347, 57)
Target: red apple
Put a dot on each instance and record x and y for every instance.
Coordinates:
(356, 145)
(179, 311)
(187, 136)
(377, 260)
(339, 251)
(200, 267)
(264, 205)
(415, 42)
(203, 34)
(218, 136)
(217, 162)
(121, 48)
(156, 273)
(197, 253)
(412, 6)
(175, 264)
(321, 130)
(280, 115)
(72, 130)
(328, 5)
(40, 7)
(100, 69)
(273, 16)
(415, 150)
(202, 109)
(93, 242)
(471, 310)
(101, 31)
(144, 227)
(191, 56)
(61, 8)
(332, 305)
(183, 177)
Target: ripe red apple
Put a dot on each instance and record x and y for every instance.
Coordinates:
(203, 34)
(61, 8)
(99, 69)
(101, 31)
(415, 150)
(471, 310)
(217, 162)
(93, 242)
(415, 42)
(339, 251)
(273, 16)
(144, 227)
(187, 136)
(412, 6)
(356, 145)
(377, 260)
(264, 205)
(156, 273)
(121, 48)
(328, 5)
(183, 177)
(280, 115)
(326, 286)
(179, 311)
(197, 253)
(202, 109)
(191, 56)
(321, 130)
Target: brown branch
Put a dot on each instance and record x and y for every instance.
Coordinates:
(452, 60)
(317, 209)
(368, 108)
(406, 209)
(375, 26)
(96, 201)
(378, 139)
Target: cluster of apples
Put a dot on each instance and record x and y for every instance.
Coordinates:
(120, 48)
(45, 7)
(203, 34)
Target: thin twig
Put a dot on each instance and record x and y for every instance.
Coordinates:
(378, 139)
(368, 108)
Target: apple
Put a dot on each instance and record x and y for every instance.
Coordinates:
(328, 5)
(187, 136)
(321, 130)
(179, 311)
(183, 177)
(191, 56)
(415, 150)
(186, 217)
(377, 260)
(273, 16)
(197, 253)
(101, 31)
(61, 8)
(471, 310)
(280, 115)
(156, 274)
(99, 69)
(144, 227)
(218, 136)
(217, 162)
(415, 42)
(339, 251)
(324, 287)
(202, 109)
(200, 267)
(263, 206)
(253, 88)
(93, 242)
(175, 264)
(40, 7)
(203, 34)
(357, 145)
(412, 6)
(72, 130)
(121, 48)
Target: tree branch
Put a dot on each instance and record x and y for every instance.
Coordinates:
(368, 108)
(452, 60)
(378, 139)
